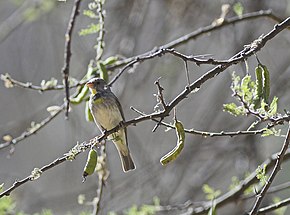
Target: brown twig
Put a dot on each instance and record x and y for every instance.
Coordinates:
(28, 85)
(32, 131)
(276, 169)
(103, 174)
(234, 194)
(206, 133)
(67, 51)
(246, 52)
(273, 189)
(199, 32)
(273, 207)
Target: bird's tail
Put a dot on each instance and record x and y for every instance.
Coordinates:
(127, 162)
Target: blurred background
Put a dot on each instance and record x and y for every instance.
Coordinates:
(31, 50)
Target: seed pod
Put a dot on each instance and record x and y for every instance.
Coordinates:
(91, 164)
(88, 114)
(266, 89)
(173, 154)
(259, 86)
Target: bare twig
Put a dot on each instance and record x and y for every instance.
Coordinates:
(206, 133)
(273, 207)
(277, 167)
(67, 51)
(32, 131)
(202, 31)
(102, 177)
(234, 194)
(273, 189)
(246, 52)
(28, 85)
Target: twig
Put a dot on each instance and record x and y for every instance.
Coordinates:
(102, 177)
(273, 189)
(67, 51)
(100, 39)
(277, 167)
(28, 85)
(234, 194)
(32, 131)
(186, 72)
(202, 31)
(246, 52)
(206, 133)
(273, 207)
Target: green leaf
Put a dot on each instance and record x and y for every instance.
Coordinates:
(110, 60)
(91, 29)
(233, 109)
(273, 106)
(238, 8)
(90, 14)
(261, 174)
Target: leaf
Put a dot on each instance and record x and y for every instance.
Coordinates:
(238, 8)
(90, 29)
(7, 138)
(89, 13)
(273, 106)
(7, 80)
(233, 109)
(110, 60)
(53, 109)
(267, 132)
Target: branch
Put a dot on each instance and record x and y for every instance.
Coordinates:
(246, 52)
(231, 196)
(274, 206)
(69, 156)
(277, 167)
(273, 189)
(201, 31)
(206, 133)
(10, 82)
(67, 51)
(32, 131)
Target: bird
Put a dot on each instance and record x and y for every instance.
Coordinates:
(108, 113)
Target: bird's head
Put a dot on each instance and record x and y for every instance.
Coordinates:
(96, 85)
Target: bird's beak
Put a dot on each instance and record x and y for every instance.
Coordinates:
(90, 85)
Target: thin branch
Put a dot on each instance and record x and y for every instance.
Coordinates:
(67, 51)
(246, 52)
(201, 31)
(275, 206)
(234, 194)
(206, 133)
(10, 82)
(32, 131)
(273, 189)
(276, 169)
(69, 156)
(103, 174)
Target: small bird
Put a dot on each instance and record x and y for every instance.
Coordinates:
(107, 113)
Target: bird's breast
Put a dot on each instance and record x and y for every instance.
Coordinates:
(105, 112)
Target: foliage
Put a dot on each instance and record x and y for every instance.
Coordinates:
(210, 192)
